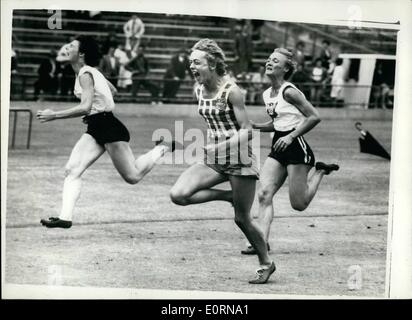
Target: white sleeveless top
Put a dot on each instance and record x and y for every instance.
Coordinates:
(103, 98)
(285, 115)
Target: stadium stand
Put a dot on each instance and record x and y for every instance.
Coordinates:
(166, 34)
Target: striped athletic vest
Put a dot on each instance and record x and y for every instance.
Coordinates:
(218, 112)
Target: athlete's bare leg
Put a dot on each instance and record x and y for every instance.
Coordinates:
(194, 186)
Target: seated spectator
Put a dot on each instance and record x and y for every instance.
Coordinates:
(110, 66)
(133, 31)
(139, 67)
(175, 74)
(47, 80)
(259, 83)
(318, 76)
(125, 76)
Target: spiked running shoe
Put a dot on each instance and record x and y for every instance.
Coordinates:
(53, 222)
(263, 274)
(328, 168)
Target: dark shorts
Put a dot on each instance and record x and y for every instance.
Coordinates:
(299, 152)
(104, 127)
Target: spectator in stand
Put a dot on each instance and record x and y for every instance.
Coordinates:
(175, 74)
(243, 47)
(300, 53)
(338, 79)
(139, 67)
(133, 31)
(259, 83)
(125, 76)
(380, 89)
(67, 79)
(110, 66)
(325, 54)
(301, 78)
(318, 76)
(48, 76)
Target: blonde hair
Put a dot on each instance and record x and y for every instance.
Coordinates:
(290, 62)
(214, 54)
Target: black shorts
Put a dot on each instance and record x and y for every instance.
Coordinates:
(299, 152)
(104, 127)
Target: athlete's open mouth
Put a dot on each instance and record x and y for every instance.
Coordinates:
(196, 74)
(269, 69)
(62, 55)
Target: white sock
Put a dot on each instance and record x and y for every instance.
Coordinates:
(71, 193)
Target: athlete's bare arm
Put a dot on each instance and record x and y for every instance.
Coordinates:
(311, 118)
(113, 89)
(87, 84)
(264, 126)
(299, 101)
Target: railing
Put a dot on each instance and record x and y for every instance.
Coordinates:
(16, 111)
(352, 95)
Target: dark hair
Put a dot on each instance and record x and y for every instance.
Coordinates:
(339, 61)
(89, 47)
(214, 54)
(326, 42)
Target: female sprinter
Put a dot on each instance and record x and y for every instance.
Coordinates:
(104, 131)
(292, 116)
(221, 105)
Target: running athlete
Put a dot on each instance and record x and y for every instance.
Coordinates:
(104, 131)
(220, 103)
(291, 156)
